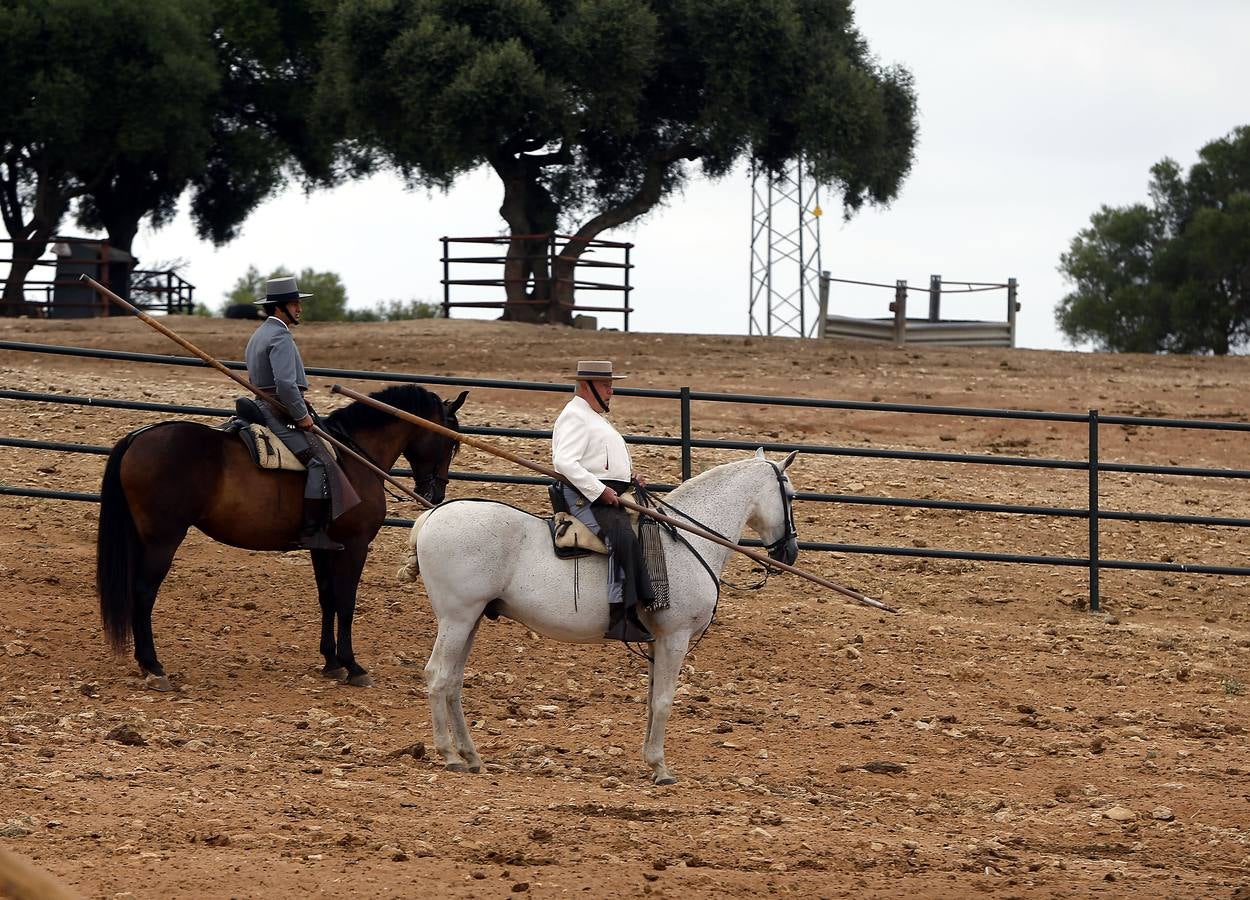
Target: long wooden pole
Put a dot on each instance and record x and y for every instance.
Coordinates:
(247, 385)
(642, 510)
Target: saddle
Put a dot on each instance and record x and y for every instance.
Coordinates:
(265, 447)
(569, 537)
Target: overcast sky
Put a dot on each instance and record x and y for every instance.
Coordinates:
(1032, 115)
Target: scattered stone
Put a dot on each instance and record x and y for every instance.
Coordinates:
(611, 782)
(217, 840)
(416, 751)
(1097, 745)
(1162, 813)
(884, 767)
(520, 887)
(852, 653)
(126, 734)
(1120, 814)
(541, 834)
(45, 753)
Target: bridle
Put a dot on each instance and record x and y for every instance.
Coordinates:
(787, 503)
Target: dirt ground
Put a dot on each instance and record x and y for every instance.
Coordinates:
(994, 737)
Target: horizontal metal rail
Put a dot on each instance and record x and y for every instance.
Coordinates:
(687, 442)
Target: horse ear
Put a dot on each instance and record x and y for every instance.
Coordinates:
(789, 459)
(759, 453)
(452, 405)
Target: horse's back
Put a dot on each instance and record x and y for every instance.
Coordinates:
(478, 545)
(219, 488)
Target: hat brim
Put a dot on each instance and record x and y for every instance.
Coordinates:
(282, 298)
(580, 377)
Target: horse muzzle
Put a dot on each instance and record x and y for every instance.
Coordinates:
(785, 553)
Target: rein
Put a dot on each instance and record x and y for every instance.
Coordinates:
(790, 533)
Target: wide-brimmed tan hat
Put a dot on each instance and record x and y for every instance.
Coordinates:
(596, 370)
(280, 290)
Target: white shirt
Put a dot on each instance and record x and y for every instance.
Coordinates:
(587, 450)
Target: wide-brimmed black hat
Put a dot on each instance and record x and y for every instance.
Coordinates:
(280, 290)
(596, 370)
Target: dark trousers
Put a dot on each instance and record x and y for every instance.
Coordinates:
(626, 555)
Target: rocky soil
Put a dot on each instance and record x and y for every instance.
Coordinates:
(994, 737)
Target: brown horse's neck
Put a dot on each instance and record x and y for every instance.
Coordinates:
(383, 445)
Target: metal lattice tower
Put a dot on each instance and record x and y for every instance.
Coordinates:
(785, 253)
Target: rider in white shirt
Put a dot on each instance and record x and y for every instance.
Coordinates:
(589, 452)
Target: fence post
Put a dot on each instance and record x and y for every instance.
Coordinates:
(626, 292)
(899, 308)
(935, 298)
(446, 281)
(823, 304)
(1012, 308)
(1093, 510)
(685, 434)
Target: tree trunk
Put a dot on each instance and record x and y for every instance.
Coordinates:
(13, 302)
(532, 218)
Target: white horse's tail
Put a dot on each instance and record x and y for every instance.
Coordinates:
(411, 567)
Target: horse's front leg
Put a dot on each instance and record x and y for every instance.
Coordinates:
(325, 597)
(342, 569)
(669, 650)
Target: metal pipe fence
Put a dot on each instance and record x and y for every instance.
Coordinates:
(685, 442)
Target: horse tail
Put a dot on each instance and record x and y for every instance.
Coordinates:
(412, 566)
(117, 551)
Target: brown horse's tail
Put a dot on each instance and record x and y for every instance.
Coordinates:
(117, 544)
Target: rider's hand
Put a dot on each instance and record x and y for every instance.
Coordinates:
(609, 497)
(305, 423)
(639, 480)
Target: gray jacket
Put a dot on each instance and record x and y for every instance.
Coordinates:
(274, 364)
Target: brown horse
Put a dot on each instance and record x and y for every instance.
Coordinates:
(163, 479)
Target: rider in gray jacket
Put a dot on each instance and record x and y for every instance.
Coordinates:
(275, 367)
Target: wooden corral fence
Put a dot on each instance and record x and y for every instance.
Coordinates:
(462, 289)
(932, 330)
(53, 289)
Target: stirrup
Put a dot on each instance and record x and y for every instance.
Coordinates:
(317, 540)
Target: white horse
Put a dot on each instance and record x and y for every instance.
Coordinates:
(475, 553)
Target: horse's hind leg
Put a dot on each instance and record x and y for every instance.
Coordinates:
(669, 651)
(442, 680)
(153, 567)
(460, 726)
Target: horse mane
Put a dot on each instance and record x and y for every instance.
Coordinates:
(358, 416)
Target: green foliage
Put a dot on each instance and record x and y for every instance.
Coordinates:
(395, 310)
(87, 88)
(591, 108)
(328, 302)
(1172, 276)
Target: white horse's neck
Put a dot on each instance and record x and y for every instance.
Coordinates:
(721, 499)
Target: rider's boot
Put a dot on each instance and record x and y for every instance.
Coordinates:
(625, 625)
(312, 530)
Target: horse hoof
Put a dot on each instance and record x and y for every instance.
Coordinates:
(475, 768)
(665, 779)
(339, 674)
(361, 680)
(457, 767)
(157, 683)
